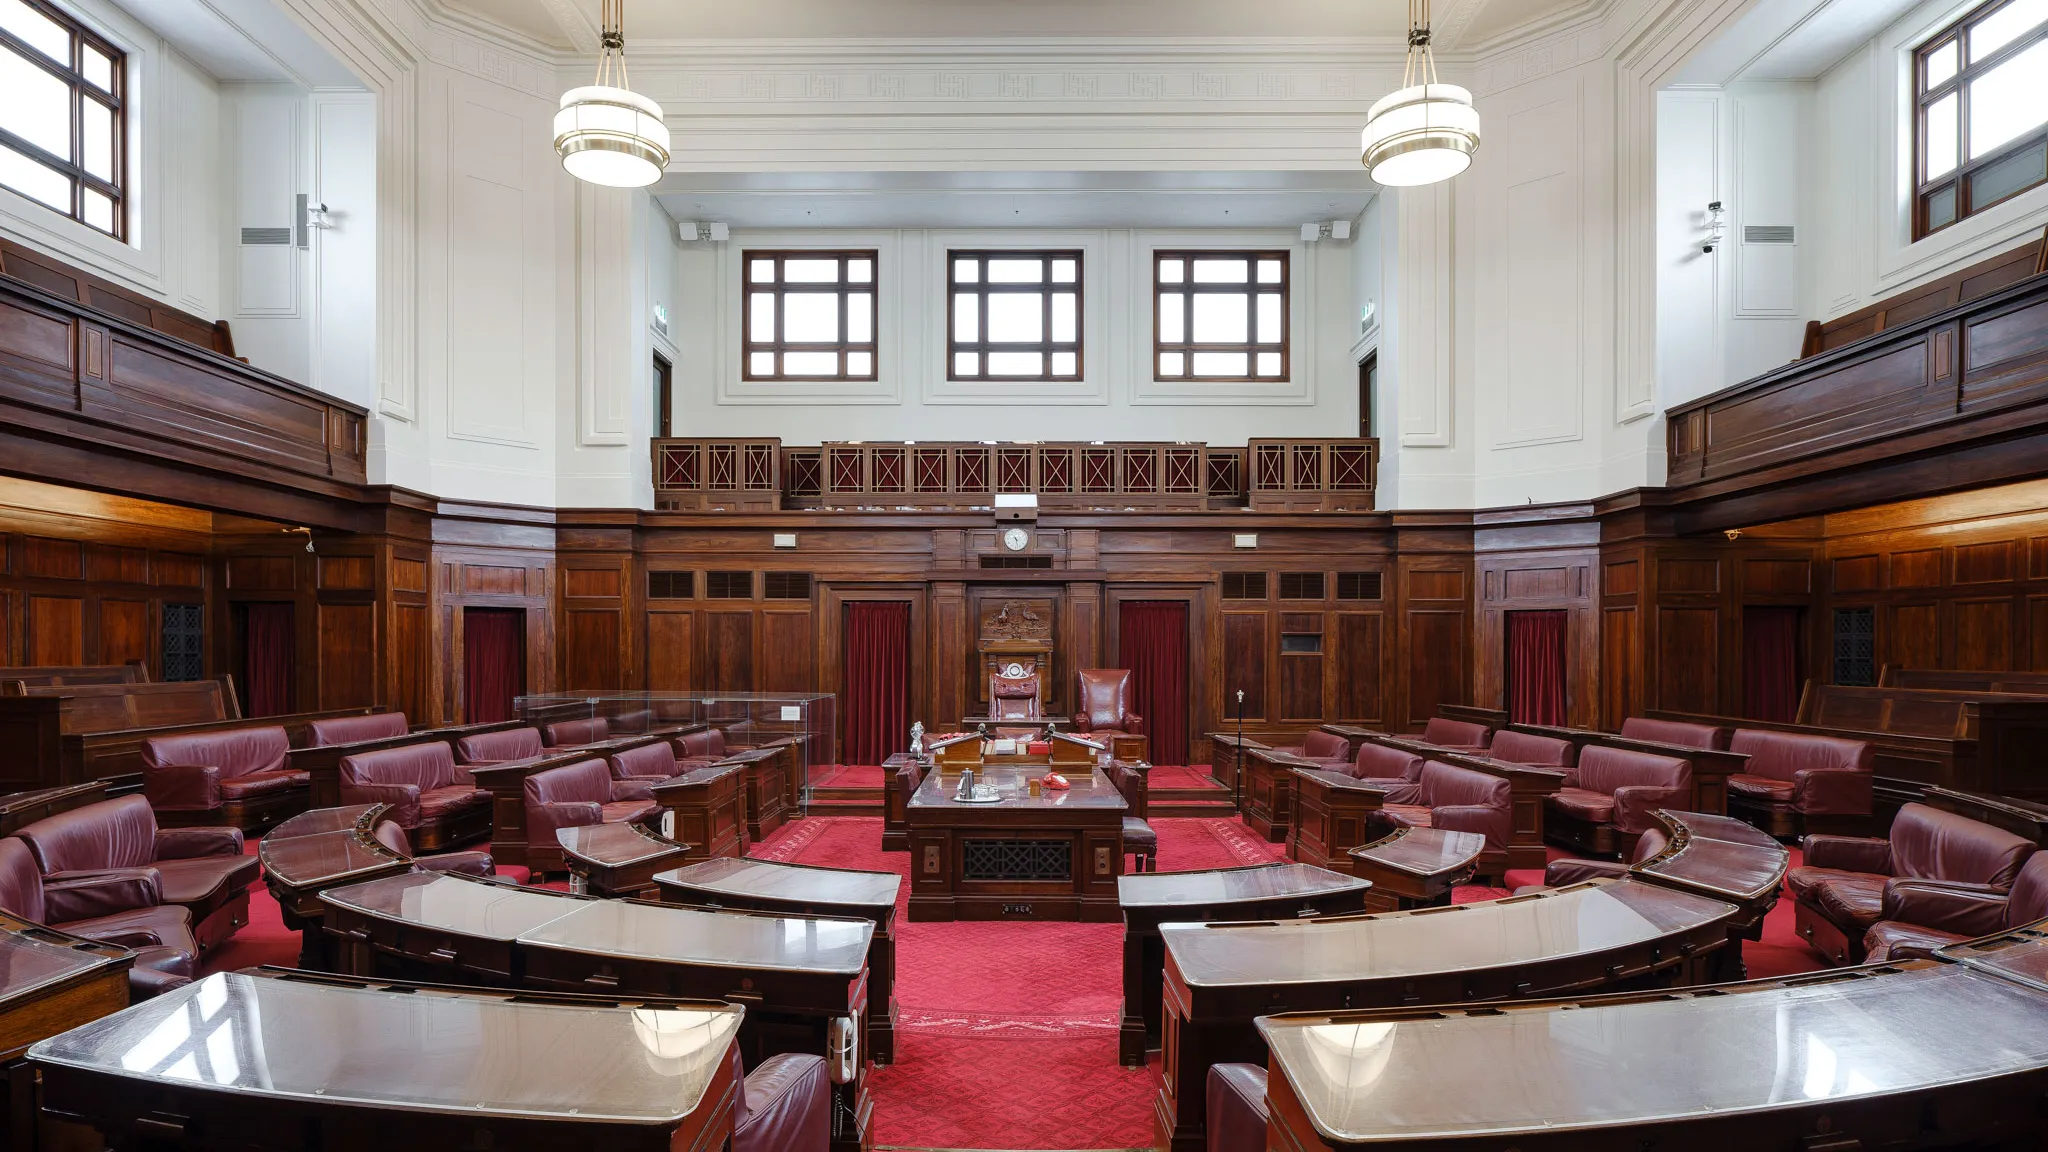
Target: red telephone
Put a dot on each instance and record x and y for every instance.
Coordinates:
(1056, 782)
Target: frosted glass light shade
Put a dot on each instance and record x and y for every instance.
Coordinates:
(611, 136)
(1419, 135)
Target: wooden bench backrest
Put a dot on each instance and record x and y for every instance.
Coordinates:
(133, 672)
(1957, 680)
(85, 708)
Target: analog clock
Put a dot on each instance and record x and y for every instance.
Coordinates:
(1016, 539)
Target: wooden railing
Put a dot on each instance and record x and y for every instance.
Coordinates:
(752, 475)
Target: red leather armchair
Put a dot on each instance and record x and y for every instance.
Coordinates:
(696, 749)
(1607, 800)
(1389, 769)
(648, 764)
(500, 747)
(576, 733)
(1102, 702)
(390, 835)
(1236, 1108)
(1919, 919)
(1462, 735)
(202, 870)
(572, 796)
(1326, 749)
(350, 729)
(1846, 883)
(784, 1105)
(1535, 751)
(1799, 781)
(436, 805)
(232, 776)
(1447, 796)
(1707, 736)
(124, 908)
(1574, 869)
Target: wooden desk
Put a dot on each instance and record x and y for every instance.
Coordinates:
(1220, 976)
(1416, 867)
(1725, 859)
(1261, 892)
(18, 810)
(895, 798)
(271, 1063)
(322, 764)
(2027, 818)
(707, 810)
(506, 783)
(50, 982)
(1226, 754)
(1891, 1057)
(1329, 814)
(1268, 800)
(1528, 787)
(317, 850)
(1049, 857)
(803, 980)
(1710, 767)
(767, 788)
(617, 859)
(438, 926)
(799, 889)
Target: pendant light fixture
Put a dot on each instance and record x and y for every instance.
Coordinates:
(607, 133)
(1425, 131)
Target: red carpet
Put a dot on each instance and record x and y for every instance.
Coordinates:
(1008, 1031)
(1175, 776)
(846, 776)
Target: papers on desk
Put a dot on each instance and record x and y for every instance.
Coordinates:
(1002, 746)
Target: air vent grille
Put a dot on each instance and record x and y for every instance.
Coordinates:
(728, 585)
(1767, 234)
(267, 237)
(1301, 585)
(1016, 561)
(786, 585)
(1244, 585)
(1358, 585)
(671, 585)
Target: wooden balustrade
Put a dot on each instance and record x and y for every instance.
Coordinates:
(754, 475)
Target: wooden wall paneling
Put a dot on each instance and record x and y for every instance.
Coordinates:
(1433, 578)
(1623, 671)
(56, 630)
(671, 650)
(601, 585)
(1301, 670)
(346, 655)
(477, 565)
(788, 650)
(1086, 644)
(1537, 568)
(1199, 676)
(125, 631)
(1244, 664)
(727, 657)
(928, 647)
(1355, 688)
(949, 651)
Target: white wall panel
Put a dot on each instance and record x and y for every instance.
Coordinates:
(1689, 320)
(489, 296)
(1542, 298)
(344, 337)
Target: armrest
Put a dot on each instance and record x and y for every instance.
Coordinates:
(1559, 873)
(1081, 722)
(1849, 854)
(147, 983)
(185, 843)
(1633, 804)
(1481, 818)
(1964, 909)
(635, 787)
(466, 863)
(72, 896)
(182, 787)
(545, 818)
(1134, 724)
(1833, 791)
(404, 800)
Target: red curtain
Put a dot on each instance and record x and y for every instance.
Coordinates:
(1770, 663)
(1536, 667)
(267, 657)
(493, 663)
(1152, 637)
(877, 680)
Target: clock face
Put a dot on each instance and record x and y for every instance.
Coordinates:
(1016, 539)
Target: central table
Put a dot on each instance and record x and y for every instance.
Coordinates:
(1054, 856)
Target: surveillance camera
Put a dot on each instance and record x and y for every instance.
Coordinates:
(1707, 248)
(1713, 205)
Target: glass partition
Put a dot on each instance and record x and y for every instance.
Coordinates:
(744, 719)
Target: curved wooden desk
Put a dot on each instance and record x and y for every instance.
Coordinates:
(1277, 891)
(1219, 977)
(1726, 859)
(617, 859)
(270, 1060)
(317, 850)
(50, 981)
(1416, 867)
(1330, 812)
(1918, 1055)
(800, 889)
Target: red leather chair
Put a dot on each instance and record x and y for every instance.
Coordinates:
(1923, 918)
(648, 764)
(784, 1105)
(1798, 781)
(1140, 839)
(1236, 1112)
(696, 749)
(435, 804)
(500, 747)
(1326, 749)
(349, 729)
(1841, 891)
(576, 733)
(1102, 702)
(574, 795)
(630, 723)
(390, 835)
(1462, 735)
(232, 776)
(123, 907)
(1607, 800)
(1707, 736)
(1447, 796)
(1574, 870)
(1526, 748)
(202, 870)
(1390, 769)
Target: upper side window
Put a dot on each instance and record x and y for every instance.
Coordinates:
(1981, 90)
(1220, 315)
(808, 315)
(1015, 316)
(61, 115)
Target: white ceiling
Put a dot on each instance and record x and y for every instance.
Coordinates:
(571, 24)
(1015, 199)
(242, 41)
(1791, 39)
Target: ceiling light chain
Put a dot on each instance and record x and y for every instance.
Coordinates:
(607, 133)
(1427, 130)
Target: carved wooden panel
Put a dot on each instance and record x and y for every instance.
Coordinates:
(348, 655)
(1244, 664)
(669, 651)
(1355, 664)
(728, 655)
(1688, 659)
(1436, 672)
(56, 630)
(124, 631)
(590, 647)
(787, 652)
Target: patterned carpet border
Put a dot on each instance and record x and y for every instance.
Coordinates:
(1241, 843)
(791, 839)
(982, 1026)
